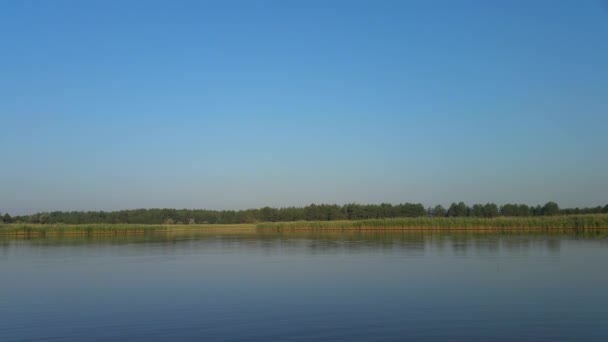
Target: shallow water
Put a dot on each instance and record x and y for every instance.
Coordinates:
(263, 287)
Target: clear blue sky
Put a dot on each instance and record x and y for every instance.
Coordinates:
(130, 104)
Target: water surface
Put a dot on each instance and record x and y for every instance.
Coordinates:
(299, 286)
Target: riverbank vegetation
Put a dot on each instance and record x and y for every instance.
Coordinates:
(501, 224)
(313, 212)
(553, 224)
(114, 229)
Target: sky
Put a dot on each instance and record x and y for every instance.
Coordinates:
(108, 105)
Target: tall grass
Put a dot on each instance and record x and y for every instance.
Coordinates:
(110, 229)
(570, 223)
(554, 223)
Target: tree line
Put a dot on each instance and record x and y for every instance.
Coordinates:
(312, 212)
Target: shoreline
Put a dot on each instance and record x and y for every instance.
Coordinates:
(549, 224)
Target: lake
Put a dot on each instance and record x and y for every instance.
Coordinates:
(305, 286)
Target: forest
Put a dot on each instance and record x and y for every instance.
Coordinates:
(312, 212)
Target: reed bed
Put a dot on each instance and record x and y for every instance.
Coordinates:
(498, 224)
(114, 229)
(555, 224)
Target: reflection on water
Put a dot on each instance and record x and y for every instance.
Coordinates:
(302, 286)
(407, 242)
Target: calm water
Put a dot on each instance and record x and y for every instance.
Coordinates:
(349, 287)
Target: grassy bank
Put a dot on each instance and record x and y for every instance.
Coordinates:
(571, 223)
(114, 229)
(499, 224)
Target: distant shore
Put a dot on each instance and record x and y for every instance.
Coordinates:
(569, 223)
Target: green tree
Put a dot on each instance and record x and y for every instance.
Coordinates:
(7, 218)
(509, 210)
(44, 218)
(523, 210)
(353, 211)
(490, 210)
(268, 214)
(477, 210)
(334, 213)
(313, 213)
(458, 210)
(550, 209)
(439, 211)
(247, 216)
(515, 210)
